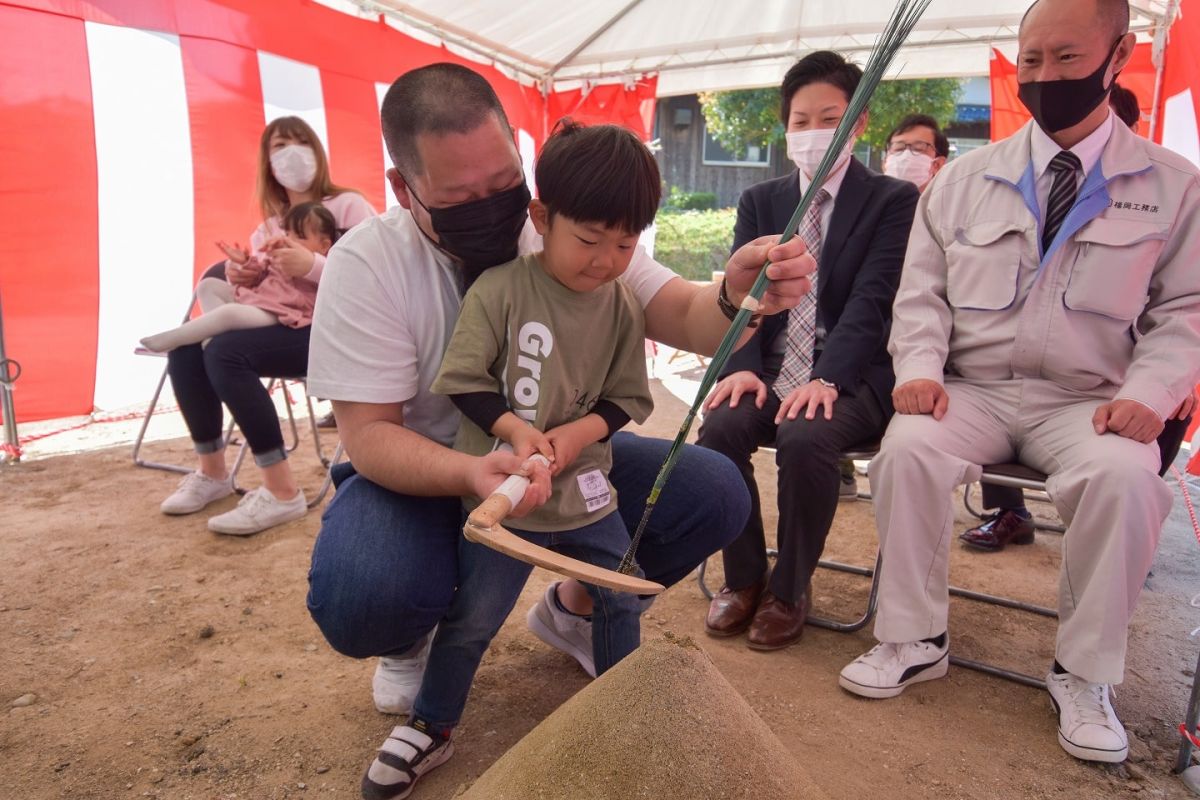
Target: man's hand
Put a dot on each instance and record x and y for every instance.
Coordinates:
(1186, 407)
(810, 397)
(734, 386)
(791, 264)
(293, 258)
(921, 396)
(488, 472)
(1128, 418)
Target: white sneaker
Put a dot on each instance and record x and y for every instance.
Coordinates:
(404, 757)
(562, 630)
(398, 679)
(196, 491)
(888, 669)
(257, 511)
(1088, 727)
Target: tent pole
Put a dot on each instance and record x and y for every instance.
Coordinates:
(11, 440)
(1159, 57)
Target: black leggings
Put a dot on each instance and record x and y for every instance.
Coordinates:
(228, 371)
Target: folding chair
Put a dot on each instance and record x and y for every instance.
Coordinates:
(218, 271)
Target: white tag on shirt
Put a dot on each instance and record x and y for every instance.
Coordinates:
(594, 488)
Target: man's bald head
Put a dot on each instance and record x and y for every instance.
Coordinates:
(1113, 14)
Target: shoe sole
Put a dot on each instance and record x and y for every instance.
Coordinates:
(931, 673)
(1087, 753)
(766, 648)
(183, 512)
(292, 517)
(550, 636)
(727, 633)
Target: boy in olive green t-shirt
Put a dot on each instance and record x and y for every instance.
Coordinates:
(548, 355)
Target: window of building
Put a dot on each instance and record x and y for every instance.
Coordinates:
(717, 156)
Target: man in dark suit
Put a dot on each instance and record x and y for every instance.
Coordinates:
(818, 379)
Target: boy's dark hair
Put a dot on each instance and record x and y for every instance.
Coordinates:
(439, 98)
(599, 173)
(1125, 104)
(940, 143)
(305, 217)
(821, 66)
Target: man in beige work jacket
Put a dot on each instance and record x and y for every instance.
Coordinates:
(1049, 311)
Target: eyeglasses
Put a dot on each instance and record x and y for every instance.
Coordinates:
(923, 148)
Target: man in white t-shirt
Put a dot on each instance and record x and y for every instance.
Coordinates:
(390, 563)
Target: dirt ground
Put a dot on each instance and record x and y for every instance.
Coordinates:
(170, 662)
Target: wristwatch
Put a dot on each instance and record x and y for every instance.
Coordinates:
(830, 384)
(730, 310)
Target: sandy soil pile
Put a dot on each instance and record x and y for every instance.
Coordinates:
(664, 722)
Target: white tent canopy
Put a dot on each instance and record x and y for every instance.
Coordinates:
(706, 45)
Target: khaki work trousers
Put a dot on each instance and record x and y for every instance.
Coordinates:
(1106, 488)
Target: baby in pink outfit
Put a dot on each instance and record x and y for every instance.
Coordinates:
(275, 298)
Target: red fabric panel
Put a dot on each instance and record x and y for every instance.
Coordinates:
(633, 108)
(1009, 114)
(1182, 68)
(48, 255)
(355, 143)
(225, 116)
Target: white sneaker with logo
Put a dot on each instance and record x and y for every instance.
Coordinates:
(257, 511)
(1088, 727)
(398, 679)
(887, 669)
(562, 630)
(196, 491)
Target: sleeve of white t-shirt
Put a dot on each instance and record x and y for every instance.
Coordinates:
(361, 348)
(646, 276)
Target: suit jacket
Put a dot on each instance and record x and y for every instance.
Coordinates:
(858, 274)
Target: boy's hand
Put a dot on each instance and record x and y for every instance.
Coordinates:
(570, 439)
(527, 440)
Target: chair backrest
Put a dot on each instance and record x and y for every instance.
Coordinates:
(217, 270)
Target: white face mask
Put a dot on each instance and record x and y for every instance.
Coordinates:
(807, 148)
(910, 166)
(294, 166)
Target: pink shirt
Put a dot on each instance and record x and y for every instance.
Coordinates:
(292, 299)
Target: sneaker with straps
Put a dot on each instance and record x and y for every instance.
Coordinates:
(257, 511)
(406, 755)
(196, 491)
(1088, 727)
(887, 669)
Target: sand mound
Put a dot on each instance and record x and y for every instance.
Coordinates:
(663, 723)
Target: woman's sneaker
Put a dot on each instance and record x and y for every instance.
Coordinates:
(257, 511)
(196, 491)
(405, 756)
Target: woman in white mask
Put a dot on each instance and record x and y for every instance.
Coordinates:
(292, 169)
(916, 150)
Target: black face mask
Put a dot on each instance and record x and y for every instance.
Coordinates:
(481, 233)
(1058, 105)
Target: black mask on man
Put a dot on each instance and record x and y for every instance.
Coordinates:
(481, 233)
(1058, 105)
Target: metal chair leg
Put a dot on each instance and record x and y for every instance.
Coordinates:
(1184, 758)
(137, 443)
(328, 484)
(316, 429)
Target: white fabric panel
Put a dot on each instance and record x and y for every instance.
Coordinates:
(144, 193)
(291, 88)
(1179, 126)
(528, 150)
(381, 90)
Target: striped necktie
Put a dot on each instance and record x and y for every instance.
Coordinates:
(802, 320)
(1062, 194)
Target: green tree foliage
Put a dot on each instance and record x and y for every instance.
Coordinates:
(751, 116)
(742, 118)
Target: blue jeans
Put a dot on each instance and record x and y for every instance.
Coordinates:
(386, 566)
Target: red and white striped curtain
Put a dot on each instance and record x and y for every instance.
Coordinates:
(128, 145)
